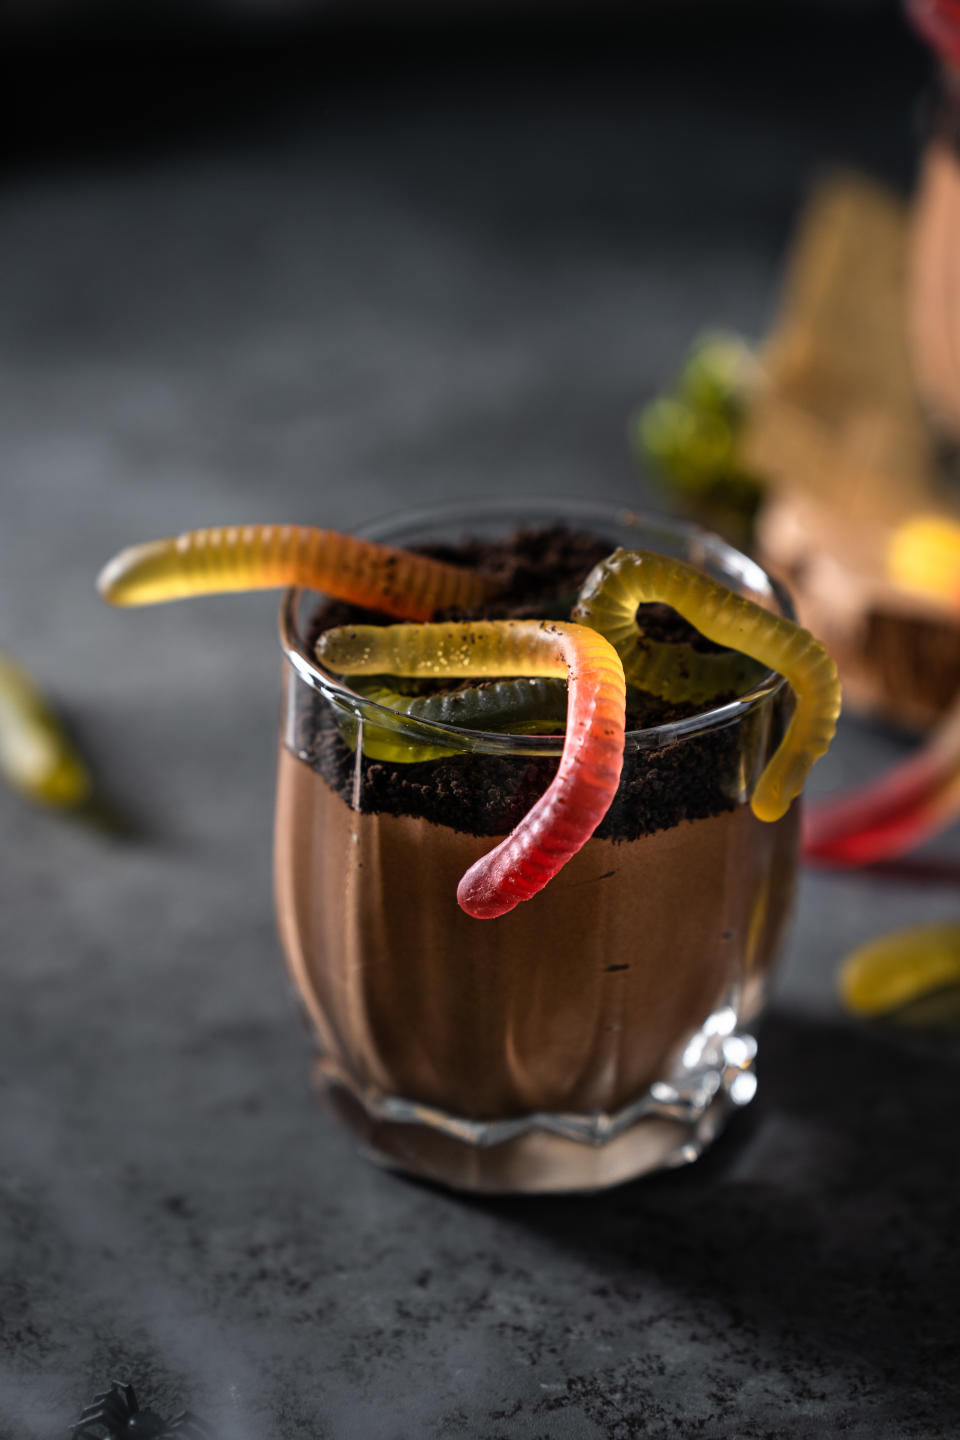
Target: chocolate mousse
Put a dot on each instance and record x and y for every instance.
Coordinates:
(577, 1002)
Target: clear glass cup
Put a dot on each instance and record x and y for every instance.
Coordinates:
(598, 1031)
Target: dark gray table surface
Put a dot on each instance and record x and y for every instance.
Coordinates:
(355, 310)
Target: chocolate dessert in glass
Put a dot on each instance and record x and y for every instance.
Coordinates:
(602, 1029)
(536, 823)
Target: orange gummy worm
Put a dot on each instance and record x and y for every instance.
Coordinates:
(580, 793)
(260, 557)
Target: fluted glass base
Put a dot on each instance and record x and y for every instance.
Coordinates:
(670, 1125)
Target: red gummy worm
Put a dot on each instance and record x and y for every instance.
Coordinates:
(893, 814)
(888, 835)
(578, 797)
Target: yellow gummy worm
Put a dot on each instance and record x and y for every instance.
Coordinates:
(675, 671)
(886, 974)
(438, 652)
(258, 557)
(608, 602)
(36, 756)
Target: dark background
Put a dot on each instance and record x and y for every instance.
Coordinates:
(315, 268)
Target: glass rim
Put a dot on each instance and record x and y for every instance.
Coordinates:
(461, 737)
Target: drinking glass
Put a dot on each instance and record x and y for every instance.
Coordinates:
(597, 1032)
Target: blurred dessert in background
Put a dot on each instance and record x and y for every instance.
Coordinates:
(934, 278)
(823, 443)
(835, 424)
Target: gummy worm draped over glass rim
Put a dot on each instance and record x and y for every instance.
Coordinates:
(578, 797)
(257, 557)
(608, 602)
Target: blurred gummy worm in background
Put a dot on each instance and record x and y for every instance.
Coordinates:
(37, 756)
(912, 975)
(889, 816)
(938, 21)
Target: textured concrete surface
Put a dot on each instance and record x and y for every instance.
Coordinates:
(371, 303)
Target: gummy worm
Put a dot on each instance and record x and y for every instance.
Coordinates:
(886, 974)
(258, 557)
(528, 706)
(608, 602)
(579, 795)
(909, 803)
(675, 671)
(36, 755)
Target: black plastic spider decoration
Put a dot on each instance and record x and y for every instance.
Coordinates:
(117, 1411)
